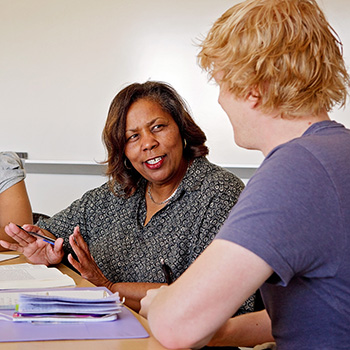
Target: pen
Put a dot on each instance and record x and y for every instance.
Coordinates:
(168, 273)
(45, 238)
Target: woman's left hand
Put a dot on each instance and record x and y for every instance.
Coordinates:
(86, 264)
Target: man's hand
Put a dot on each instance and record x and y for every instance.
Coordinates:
(147, 300)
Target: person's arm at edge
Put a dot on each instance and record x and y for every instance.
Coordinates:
(245, 330)
(213, 287)
(14, 207)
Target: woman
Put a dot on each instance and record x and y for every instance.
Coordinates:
(164, 199)
(14, 201)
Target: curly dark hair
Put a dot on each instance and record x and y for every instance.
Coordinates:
(119, 169)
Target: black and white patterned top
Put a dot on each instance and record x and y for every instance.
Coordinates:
(126, 250)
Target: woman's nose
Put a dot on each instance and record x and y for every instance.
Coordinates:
(149, 142)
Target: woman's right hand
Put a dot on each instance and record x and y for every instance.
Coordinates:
(35, 250)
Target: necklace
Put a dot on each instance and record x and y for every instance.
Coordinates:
(163, 202)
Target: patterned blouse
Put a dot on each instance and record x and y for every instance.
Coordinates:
(126, 250)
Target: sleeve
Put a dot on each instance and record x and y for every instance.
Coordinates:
(63, 223)
(11, 170)
(287, 215)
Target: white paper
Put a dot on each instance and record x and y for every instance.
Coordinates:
(4, 257)
(22, 276)
(77, 308)
(8, 300)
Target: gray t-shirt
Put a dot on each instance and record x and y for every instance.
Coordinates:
(11, 170)
(295, 214)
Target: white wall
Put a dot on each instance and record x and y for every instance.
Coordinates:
(50, 193)
(66, 59)
(52, 186)
(62, 62)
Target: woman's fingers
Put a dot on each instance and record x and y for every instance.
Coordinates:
(79, 239)
(19, 235)
(74, 263)
(79, 246)
(11, 246)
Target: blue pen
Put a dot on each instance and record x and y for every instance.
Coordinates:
(45, 238)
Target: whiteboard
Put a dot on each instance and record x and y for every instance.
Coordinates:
(63, 61)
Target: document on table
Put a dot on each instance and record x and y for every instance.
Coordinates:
(9, 299)
(71, 308)
(125, 326)
(4, 257)
(22, 276)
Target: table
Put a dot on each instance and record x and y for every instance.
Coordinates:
(149, 343)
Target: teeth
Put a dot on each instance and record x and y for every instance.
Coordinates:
(154, 160)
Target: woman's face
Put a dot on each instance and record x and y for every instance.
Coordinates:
(153, 143)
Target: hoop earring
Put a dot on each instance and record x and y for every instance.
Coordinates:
(126, 164)
(185, 143)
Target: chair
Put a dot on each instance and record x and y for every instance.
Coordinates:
(258, 304)
(37, 216)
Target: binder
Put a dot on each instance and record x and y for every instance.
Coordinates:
(126, 326)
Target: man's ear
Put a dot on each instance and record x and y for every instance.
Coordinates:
(254, 97)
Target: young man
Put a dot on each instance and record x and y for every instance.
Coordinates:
(280, 69)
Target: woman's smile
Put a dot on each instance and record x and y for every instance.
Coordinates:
(155, 163)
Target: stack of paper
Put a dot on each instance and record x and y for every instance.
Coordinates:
(61, 308)
(10, 298)
(21, 276)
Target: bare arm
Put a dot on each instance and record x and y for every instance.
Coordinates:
(133, 292)
(14, 207)
(245, 330)
(213, 288)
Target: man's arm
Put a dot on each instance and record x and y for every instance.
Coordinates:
(190, 311)
(245, 330)
(133, 292)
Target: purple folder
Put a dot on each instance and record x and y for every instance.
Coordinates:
(126, 326)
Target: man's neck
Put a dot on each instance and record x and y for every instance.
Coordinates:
(281, 130)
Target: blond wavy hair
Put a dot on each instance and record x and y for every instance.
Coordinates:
(285, 49)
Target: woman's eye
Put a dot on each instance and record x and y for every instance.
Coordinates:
(132, 137)
(158, 127)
